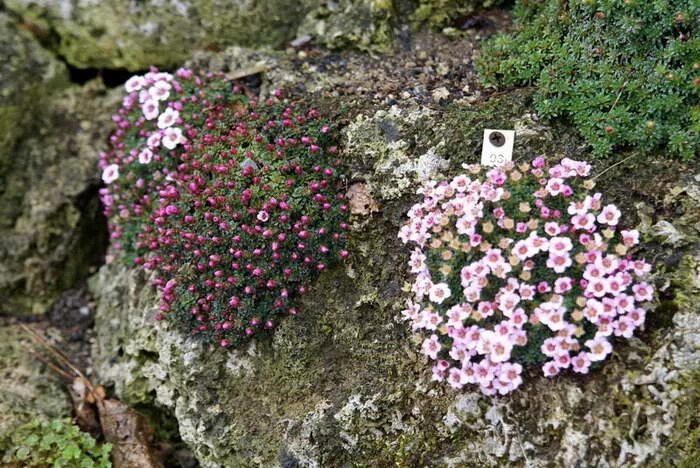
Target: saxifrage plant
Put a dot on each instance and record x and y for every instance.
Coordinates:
(236, 204)
(626, 73)
(520, 266)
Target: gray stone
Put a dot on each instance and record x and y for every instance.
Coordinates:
(27, 389)
(343, 382)
(51, 229)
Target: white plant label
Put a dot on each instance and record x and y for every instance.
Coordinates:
(497, 148)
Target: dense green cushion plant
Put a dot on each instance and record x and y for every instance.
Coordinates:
(626, 73)
(236, 204)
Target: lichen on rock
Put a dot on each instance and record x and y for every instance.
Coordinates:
(54, 231)
(343, 383)
(361, 24)
(112, 34)
(27, 389)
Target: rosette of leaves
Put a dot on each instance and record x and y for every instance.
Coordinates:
(252, 215)
(625, 73)
(521, 266)
(57, 443)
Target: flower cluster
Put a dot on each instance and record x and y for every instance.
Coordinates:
(520, 265)
(234, 203)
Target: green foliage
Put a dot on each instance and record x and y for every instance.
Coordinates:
(626, 73)
(57, 443)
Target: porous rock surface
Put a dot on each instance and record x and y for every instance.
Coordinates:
(343, 384)
(51, 132)
(27, 390)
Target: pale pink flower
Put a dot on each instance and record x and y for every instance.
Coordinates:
(624, 302)
(583, 221)
(592, 272)
(172, 137)
(526, 291)
(493, 258)
(457, 315)
(523, 250)
(637, 316)
(607, 264)
(500, 348)
(168, 118)
(554, 186)
(431, 347)
(562, 285)
(417, 262)
(160, 91)
(599, 348)
(110, 173)
(643, 292)
(560, 245)
(598, 287)
(153, 141)
(135, 83)
(439, 292)
(640, 267)
(150, 109)
(518, 318)
(609, 215)
(563, 361)
(483, 372)
(551, 347)
(472, 293)
(465, 225)
(507, 302)
(580, 207)
(460, 183)
(510, 374)
(551, 228)
(455, 378)
(630, 238)
(559, 263)
(581, 363)
(485, 308)
(144, 96)
(550, 369)
(263, 216)
(624, 327)
(145, 156)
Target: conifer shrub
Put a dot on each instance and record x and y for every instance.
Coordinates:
(521, 266)
(235, 204)
(626, 73)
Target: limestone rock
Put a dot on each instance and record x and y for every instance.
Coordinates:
(344, 383)
(51, 229)
(27, 389)
(27, 75)
(361, 24)
(134, 35)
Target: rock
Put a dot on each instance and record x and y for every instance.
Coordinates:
(440, 14)
(361, 24)
(112, 34)
(52, 229)
(27, 75)
(27, 389)
(344, 383)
